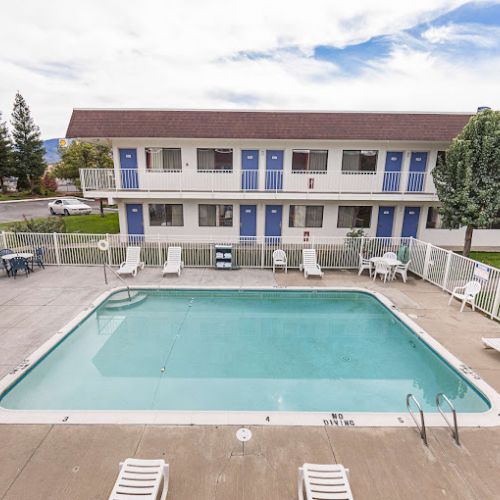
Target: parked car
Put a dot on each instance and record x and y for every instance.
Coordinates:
(69, 206)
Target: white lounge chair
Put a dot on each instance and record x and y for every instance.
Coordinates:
(364, 264)
(142, 479)
(491, 343)
(466, 294)
(174, 263)
(382, 269)
(390, 255)
(309, 264)
(280, 260)
(132, 262)
(402, 270)
(326, 482)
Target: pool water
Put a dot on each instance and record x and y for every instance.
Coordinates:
(242, 350)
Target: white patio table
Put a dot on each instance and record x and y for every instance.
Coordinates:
(25, 255)
(392, 263)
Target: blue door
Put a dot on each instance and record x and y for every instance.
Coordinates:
(274, 170)
(385, 221)
(128, 167)
(410, 222)
(273, 223)
(392, 174)
(249, 169)
(248, 221)
(418, 164)
(135, 222)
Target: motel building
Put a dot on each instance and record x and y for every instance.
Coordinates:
(233, 174)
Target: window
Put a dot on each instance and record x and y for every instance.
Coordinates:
(495, 224)
(164, 159)
(359, 161)
(305, 216)
(441, 158)
(354, 217)
(215, 215)
(433, 219)
(166, 215)
(305, 160)
(215, 159)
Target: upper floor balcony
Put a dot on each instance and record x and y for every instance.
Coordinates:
(109, 182)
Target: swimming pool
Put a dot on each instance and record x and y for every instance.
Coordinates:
(199, 350)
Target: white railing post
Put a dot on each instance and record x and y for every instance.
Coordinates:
(427, 261)
(56, 249)
(159, 252)
(4, 238)
(496, 302)
(446, 270)
(362, 246)
(262, 252)
(109, 250)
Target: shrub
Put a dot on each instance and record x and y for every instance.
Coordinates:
(49, 225)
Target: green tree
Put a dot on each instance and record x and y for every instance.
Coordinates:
(6, 166)
(468, 180)
(82, 155)
(29, 164)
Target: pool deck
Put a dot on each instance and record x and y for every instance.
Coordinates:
(207, 462)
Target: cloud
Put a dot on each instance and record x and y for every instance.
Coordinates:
(226, 54)
(478, 35)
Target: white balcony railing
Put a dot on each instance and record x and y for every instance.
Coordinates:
(254, 180)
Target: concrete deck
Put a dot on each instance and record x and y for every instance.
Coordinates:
(81, 462)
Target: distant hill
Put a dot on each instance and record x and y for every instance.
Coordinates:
(51, 153)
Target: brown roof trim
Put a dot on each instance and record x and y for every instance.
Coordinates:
(313, 125)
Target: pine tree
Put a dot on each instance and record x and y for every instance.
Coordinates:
(468, 181)
(6, 166)
(29, 151)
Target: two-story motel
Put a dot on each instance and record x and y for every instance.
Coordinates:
(277, 174)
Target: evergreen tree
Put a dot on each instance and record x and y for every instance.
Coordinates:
(29, 163)
(468, 180)
(5, 153)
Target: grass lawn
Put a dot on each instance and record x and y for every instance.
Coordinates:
(490, 258)
(85, 223)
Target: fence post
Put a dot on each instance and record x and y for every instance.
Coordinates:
(109, 249)
(4, 238)
(362, 246)
(159, 252)
(262, 253)
(447, 270)
(426, 261)
(56, 249)
(496, 302)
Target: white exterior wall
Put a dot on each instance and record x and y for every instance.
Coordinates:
(190, 201)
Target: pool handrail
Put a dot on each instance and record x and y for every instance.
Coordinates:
(421, 427)
(454, 428)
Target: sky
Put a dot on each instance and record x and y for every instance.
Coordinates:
(388, 55)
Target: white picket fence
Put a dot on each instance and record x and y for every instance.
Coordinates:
(436, 265)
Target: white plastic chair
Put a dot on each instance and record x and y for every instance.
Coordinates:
(468, 294)
(364, 264)
(390, 255)
(326, 482)
(491, 343)
(382, 269)
(280, 260)
(309, 264)
(174, 263)
(142, 479)
(132, 262)
(402, 270)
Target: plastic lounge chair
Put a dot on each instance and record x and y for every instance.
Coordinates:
(309, 264)
(364, 264)
(280, 260)
(492, 343)
(141, 479)
(390, 255)
(402, 270)
(174, 264)
(325, 482)
(382, 269)
(18, 264)
(132, 262)
(466, 294)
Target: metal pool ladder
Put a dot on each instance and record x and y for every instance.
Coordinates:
(421, 427)
(454, 427)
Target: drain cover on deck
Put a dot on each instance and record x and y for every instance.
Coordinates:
(244, 434)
